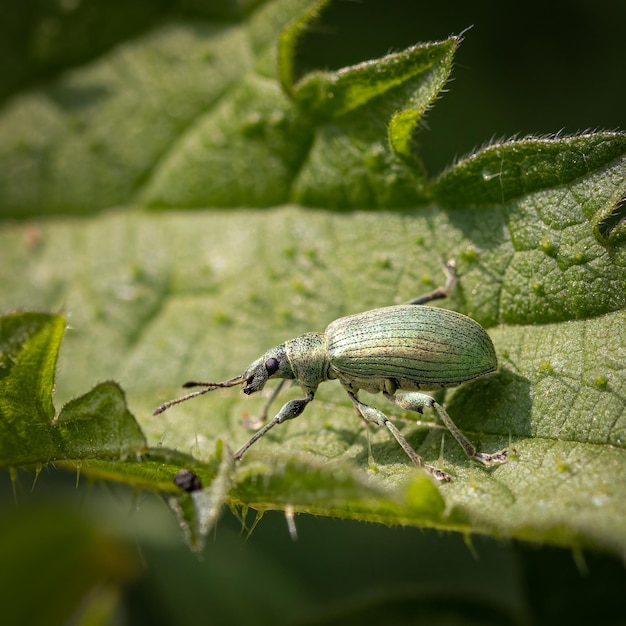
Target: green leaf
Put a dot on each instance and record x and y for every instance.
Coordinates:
(97, 424)
(351, 164)
(193, 114)
(71, 565)
(538, 206)
(28, 355)
(505, 172)
(221, 132)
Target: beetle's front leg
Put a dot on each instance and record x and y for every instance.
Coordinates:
(290, 409)
(372, 414)
(261, 418)
(415, 401)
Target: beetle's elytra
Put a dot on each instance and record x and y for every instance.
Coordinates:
(407, 348)
(419, 347)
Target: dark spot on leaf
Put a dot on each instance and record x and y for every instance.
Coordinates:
(188, 481)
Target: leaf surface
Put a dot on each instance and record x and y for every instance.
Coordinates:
(212, 116)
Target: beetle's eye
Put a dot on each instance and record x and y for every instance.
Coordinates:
(271, 365)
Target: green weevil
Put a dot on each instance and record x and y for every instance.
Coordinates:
(404, 347)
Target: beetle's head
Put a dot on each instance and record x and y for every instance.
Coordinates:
(273, 364)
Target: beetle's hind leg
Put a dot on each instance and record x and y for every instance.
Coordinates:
(372, 414)
(449, 269)
(415, 401)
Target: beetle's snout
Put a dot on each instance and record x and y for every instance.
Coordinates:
(254, 379)
(250, 386)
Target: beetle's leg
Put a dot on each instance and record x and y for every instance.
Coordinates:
(449, 269)
(372, 414)
(290, 409)
(415, 401)
(257, 422)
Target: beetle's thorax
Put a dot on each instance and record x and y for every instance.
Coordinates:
(308, 357)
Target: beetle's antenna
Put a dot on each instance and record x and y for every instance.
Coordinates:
(231, 382)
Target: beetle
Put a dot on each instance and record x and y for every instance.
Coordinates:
(407, 347)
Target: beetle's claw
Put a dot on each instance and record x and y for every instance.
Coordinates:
(493, 459)
(439, 474)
